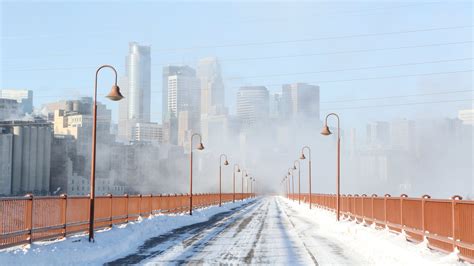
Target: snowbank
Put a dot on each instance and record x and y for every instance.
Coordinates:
(372, 246)
(109, 243)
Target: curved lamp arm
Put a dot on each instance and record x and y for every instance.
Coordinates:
(302, 152)
(220, 159)
(326, 130)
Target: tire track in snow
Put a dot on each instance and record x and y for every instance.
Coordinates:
(325, 249)
(191, 248)
(248, 258)
(157, 245)
(226, 255)
(313, 258)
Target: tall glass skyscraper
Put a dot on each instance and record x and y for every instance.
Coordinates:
(212, 86)
(138, 68)
(252, 105)
(136, 87)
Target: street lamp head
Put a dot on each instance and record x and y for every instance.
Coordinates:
(238, 170)
(246, 175)
(200, 146)
(294, 167)
(302, 157)
(115, 94)
(226, 162)
(326, 131)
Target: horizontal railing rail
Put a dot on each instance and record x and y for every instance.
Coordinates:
(30, 218)
(446, 224)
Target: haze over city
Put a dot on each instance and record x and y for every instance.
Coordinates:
(243, 100)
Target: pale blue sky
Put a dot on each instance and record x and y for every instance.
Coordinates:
(54, 48)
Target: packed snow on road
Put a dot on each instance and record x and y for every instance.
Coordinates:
(266, 230)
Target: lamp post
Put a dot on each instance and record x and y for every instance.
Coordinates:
(309, 169)
(246, 175)
(251, 186)
(299, 179)
(283, 184)
(199, 147)
(327, 132)
(247, 184)
(113, 95)
(288, 184)
(233, 181)
(220, 176)
(292, 181)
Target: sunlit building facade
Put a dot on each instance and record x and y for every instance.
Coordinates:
(252, 105)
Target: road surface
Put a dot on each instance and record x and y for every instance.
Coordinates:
(266, 231)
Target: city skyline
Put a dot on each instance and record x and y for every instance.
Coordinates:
(312, 55)
(236, 132)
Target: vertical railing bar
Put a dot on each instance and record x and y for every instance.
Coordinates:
(127, 208)
(64, 196)
(30, 216)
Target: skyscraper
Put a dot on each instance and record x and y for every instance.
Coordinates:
(378, 134)
(136, 87)
(212, 86)
(252, 105)
(183, 95)
(138, 70)
(300, 100)
(23, 97)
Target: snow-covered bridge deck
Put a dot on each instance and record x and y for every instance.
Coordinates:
(268, 230)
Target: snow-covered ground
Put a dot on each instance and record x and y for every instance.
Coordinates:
(110, 243)
(356, 244)
(270, 230)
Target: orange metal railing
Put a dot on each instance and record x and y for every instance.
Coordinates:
(27, 219)
(447, 225)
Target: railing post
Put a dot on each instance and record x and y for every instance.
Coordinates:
(373, 216)
(401, 210)
(363, 213)
(29, 216)
(151, 204)
(423, 226)
(64, 218)
(385, 209)
(126, 202)
(110, 199)
(453, 218)
(140, 205)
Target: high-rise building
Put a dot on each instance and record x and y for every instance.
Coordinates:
(183, 95)
(172, 71)
(300, 100)
(27, 147)
(23, 97)
(9, 109)
(252, 105)
(212, 86)
(124, 132)
(275, 105)
(402, 134)
(81, 106)
(378, 134)
(76, 121)
(215, 126)
(466, 116)
(138, 69)
(148, 132)
(136, 87)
